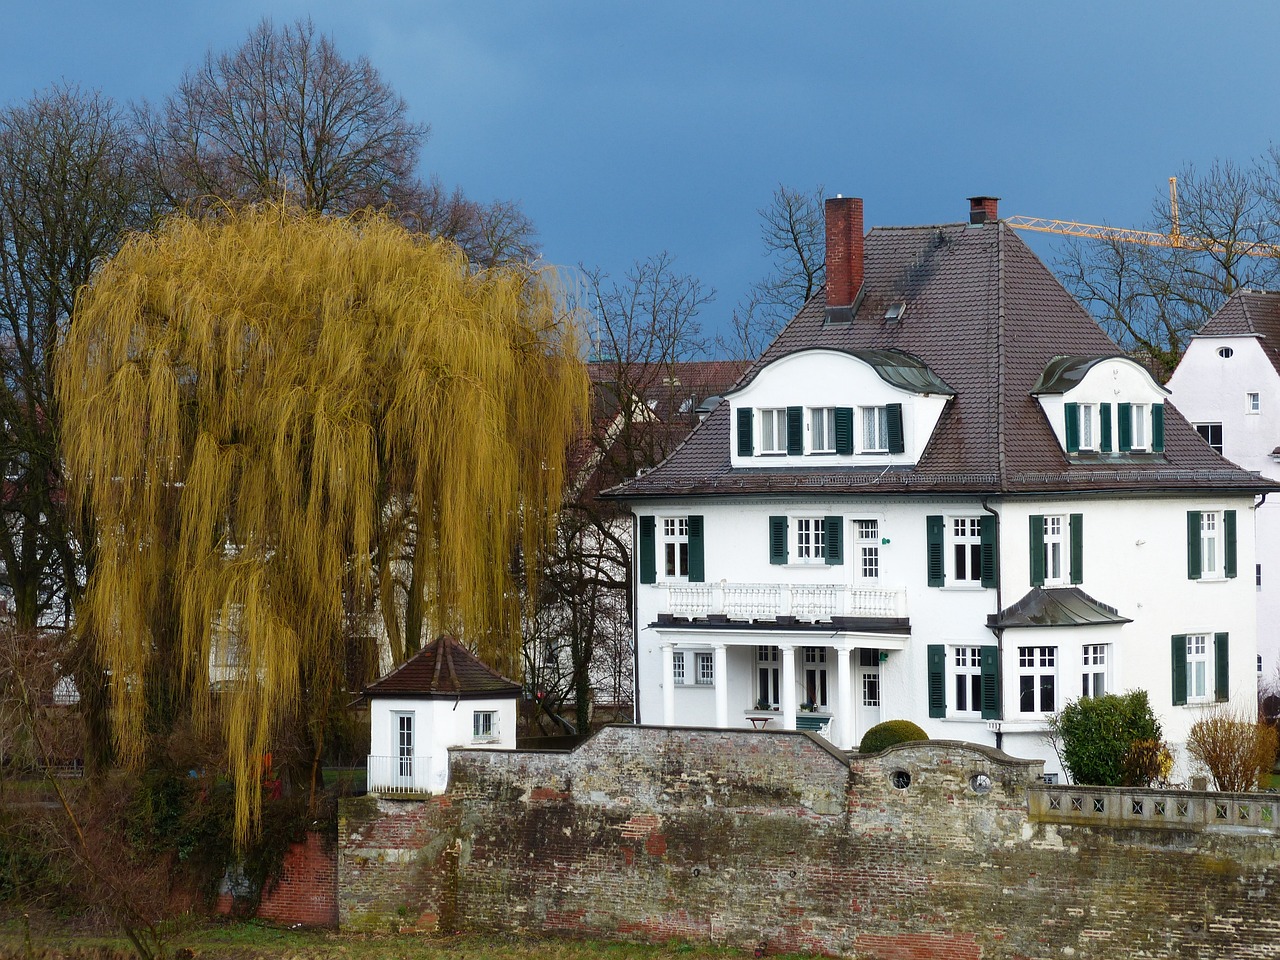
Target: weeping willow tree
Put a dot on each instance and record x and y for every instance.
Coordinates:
(277, 424)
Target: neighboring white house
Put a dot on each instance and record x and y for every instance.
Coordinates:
(443, 697)
(1228, 385)
(944, 495)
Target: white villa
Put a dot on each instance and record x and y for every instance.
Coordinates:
(941, 495)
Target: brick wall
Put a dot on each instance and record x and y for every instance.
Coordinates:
(752, 838)
(307, 890)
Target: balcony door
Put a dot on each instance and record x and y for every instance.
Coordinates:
(404, 748)
(866, 692)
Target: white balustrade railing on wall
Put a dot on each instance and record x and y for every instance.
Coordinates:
(767, 601)
(398, 774)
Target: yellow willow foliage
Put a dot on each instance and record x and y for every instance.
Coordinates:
(267, 417)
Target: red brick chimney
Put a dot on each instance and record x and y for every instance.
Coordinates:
(984, 209)
(844, 250)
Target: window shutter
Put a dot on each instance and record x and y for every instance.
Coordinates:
(990, 683)
(1193, 544)
(832, 531)
(990, 552)
(1037, 550)
(1157, 428)
(795, 431)
(934, 528)
(1077, 548)
(1124, 416)
(1229, 532)
(1179, 669)
(1104, 434)
(844, 430)
(893, 413)
(746, 443)
(1220, 667)
(937, 680)
(777, 539)
(1071, 413)
(648, 550)
(697, 566)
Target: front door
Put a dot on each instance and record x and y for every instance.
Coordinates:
(404, 749)
(866, 693)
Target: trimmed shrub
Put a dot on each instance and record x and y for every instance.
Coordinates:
(1094, 735)
(886, 734)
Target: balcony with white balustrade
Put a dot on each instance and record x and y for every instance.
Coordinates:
(782, 602)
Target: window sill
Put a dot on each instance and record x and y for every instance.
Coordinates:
(480, 740)
(1213, 579)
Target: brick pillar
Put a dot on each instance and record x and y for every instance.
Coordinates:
(844, 250)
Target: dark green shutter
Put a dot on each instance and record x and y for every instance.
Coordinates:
(1157, 427)
(934, 528)
(990, 683)
(1104, 417)
(1221, 672)
(1071, 414)
(1077, 548)
(844, 430)
(1229, 524)
(1193, 544)
(697, 567)
(777, 539)
(648, 550)
(1037, 549)
(990, 551)
(937, 680)
(795, 431)
(894, 415)
(1179, 669)
(746, 443)
(1124, 416)
(832, 534)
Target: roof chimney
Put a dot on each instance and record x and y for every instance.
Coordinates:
(844, 250)
(984, 209)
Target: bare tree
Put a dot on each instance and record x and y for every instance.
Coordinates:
(793, 231)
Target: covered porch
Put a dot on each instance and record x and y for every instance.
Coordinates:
(826, 680)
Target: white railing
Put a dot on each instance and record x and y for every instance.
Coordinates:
(398, 775)
(767, 601)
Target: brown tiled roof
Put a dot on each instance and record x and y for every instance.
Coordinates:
(443, 670)
(986, 316)
(1249, 313)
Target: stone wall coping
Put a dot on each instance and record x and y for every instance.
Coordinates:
(915, 746)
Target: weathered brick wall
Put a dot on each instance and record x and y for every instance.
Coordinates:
(306, 891)
(749, 838)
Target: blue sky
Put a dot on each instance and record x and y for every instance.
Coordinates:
(627, 129)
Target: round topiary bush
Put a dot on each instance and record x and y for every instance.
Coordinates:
(886, 734)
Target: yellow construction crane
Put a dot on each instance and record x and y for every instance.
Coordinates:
(1174, 238)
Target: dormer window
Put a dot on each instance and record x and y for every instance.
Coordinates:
(1083, 428)
(875, 429)
(773, 431)
(1140, 415)
(822, 430)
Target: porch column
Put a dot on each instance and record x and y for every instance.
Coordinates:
(787, 654)
(721, 664)
(668, 685)
(844, 690)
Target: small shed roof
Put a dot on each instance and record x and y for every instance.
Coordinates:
(443, 670)
(1059, 607)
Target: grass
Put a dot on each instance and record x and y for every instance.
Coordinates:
(249, 939)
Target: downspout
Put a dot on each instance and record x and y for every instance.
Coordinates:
(998, 631)
(635, 621)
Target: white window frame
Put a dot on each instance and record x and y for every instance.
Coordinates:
(810, 540)
(1200, 668)
(866, 542)
(677, 668)
(964, 535)
(675, 536)
(1095, 669)
(1139, 426)
(822, 429)
(1252, 403)
(964, 668)
(873, 432)
(405, 742)
(484, 726)
(815, 677)
(704, 664)
(1088, 424)
(1206, 430)
(1038, 664)
(773, 431)
(1057, 550)
(871, 688)
(1212, 546)
(768, 677)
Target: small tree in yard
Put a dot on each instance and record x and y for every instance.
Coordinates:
(1237, 750)
(1098, 739)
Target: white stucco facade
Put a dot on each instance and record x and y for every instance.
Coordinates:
(410, 738)
(1229, 386)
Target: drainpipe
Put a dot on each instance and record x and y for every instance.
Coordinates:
(635, 622)
(998, 631)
